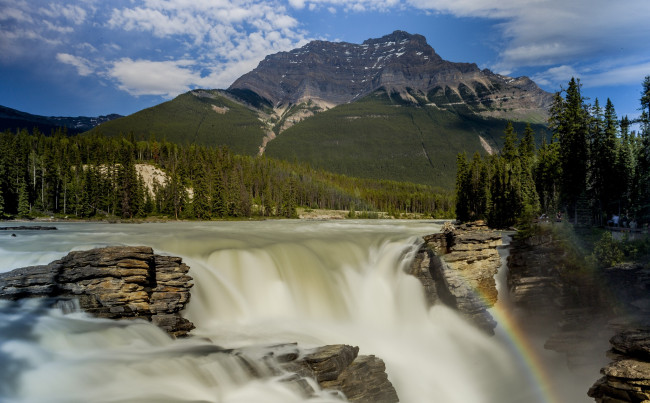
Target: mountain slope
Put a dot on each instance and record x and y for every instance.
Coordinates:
(208, 117)
(12, 119)
(382, 137)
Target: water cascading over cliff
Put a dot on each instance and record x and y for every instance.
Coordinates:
(256, 284)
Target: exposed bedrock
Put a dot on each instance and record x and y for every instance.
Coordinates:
(457, 268)
(113, 282)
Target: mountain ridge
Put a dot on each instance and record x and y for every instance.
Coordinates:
(333, 73)
(13, 119)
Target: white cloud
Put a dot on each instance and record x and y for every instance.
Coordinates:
(555, 76)
(547, 32)
(84, 66)
(69, 12)
(595, 76)
(145, 77)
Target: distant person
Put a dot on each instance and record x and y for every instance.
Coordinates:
(615, 219)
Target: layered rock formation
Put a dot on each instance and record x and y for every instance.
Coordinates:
(113, 282)
(457, 268)
(360, 378)
(627, 378)
(534, 281)
(332, 73)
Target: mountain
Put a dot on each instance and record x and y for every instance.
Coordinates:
(390, 108)
(334, 73)
(12, 119)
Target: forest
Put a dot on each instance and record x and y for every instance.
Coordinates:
(594, 170)
(95, 177)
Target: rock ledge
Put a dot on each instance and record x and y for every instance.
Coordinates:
(113, 282)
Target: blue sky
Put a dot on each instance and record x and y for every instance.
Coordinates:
(94, 57)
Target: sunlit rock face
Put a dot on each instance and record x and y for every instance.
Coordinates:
(401, 63)
(457, 268)
(113, 282)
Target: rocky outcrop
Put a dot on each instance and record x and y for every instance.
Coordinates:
(457, 268)
(627, 377)
(360, 378)
(113, 282)
(534, 281)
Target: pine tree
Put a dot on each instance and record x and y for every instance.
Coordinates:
(509, 151)
(23, 200)
(572, 132)
(611, 191)
(625, 169)
(462, 202)
(2, 203)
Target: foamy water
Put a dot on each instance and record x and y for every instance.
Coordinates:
(262, 283)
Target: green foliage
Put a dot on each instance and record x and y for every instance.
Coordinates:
(94, 176)
(502, 188)
(592, 168)
(607, 251)
(23, 201)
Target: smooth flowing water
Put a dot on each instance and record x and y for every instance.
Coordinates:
(259, 284)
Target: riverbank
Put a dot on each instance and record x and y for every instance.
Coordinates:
(302, 214)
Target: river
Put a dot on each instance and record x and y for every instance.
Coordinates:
(264, 283)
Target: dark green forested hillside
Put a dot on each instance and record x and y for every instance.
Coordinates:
(96, 176)
(385, 137)
(379, 137)
(196, 117)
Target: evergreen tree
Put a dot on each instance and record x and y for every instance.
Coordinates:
(462, 193)
(527, 145)
(509, 152)
(201, 198)
(611, 190)
(2, 203)
(477, 187)
(23, 200)
(625, 169)
(572, 132)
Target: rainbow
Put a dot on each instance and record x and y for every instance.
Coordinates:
(521, 344)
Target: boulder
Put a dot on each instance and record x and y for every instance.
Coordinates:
(123, 282)
(360, 378)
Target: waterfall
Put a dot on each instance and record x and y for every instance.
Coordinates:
(256, 284)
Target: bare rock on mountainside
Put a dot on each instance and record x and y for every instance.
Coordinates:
(457, 268)
(113, 282)
(338, 72)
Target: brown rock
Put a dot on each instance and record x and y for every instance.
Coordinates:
(112, 282)
(457, 268)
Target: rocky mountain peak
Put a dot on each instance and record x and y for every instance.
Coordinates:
(332, 73)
